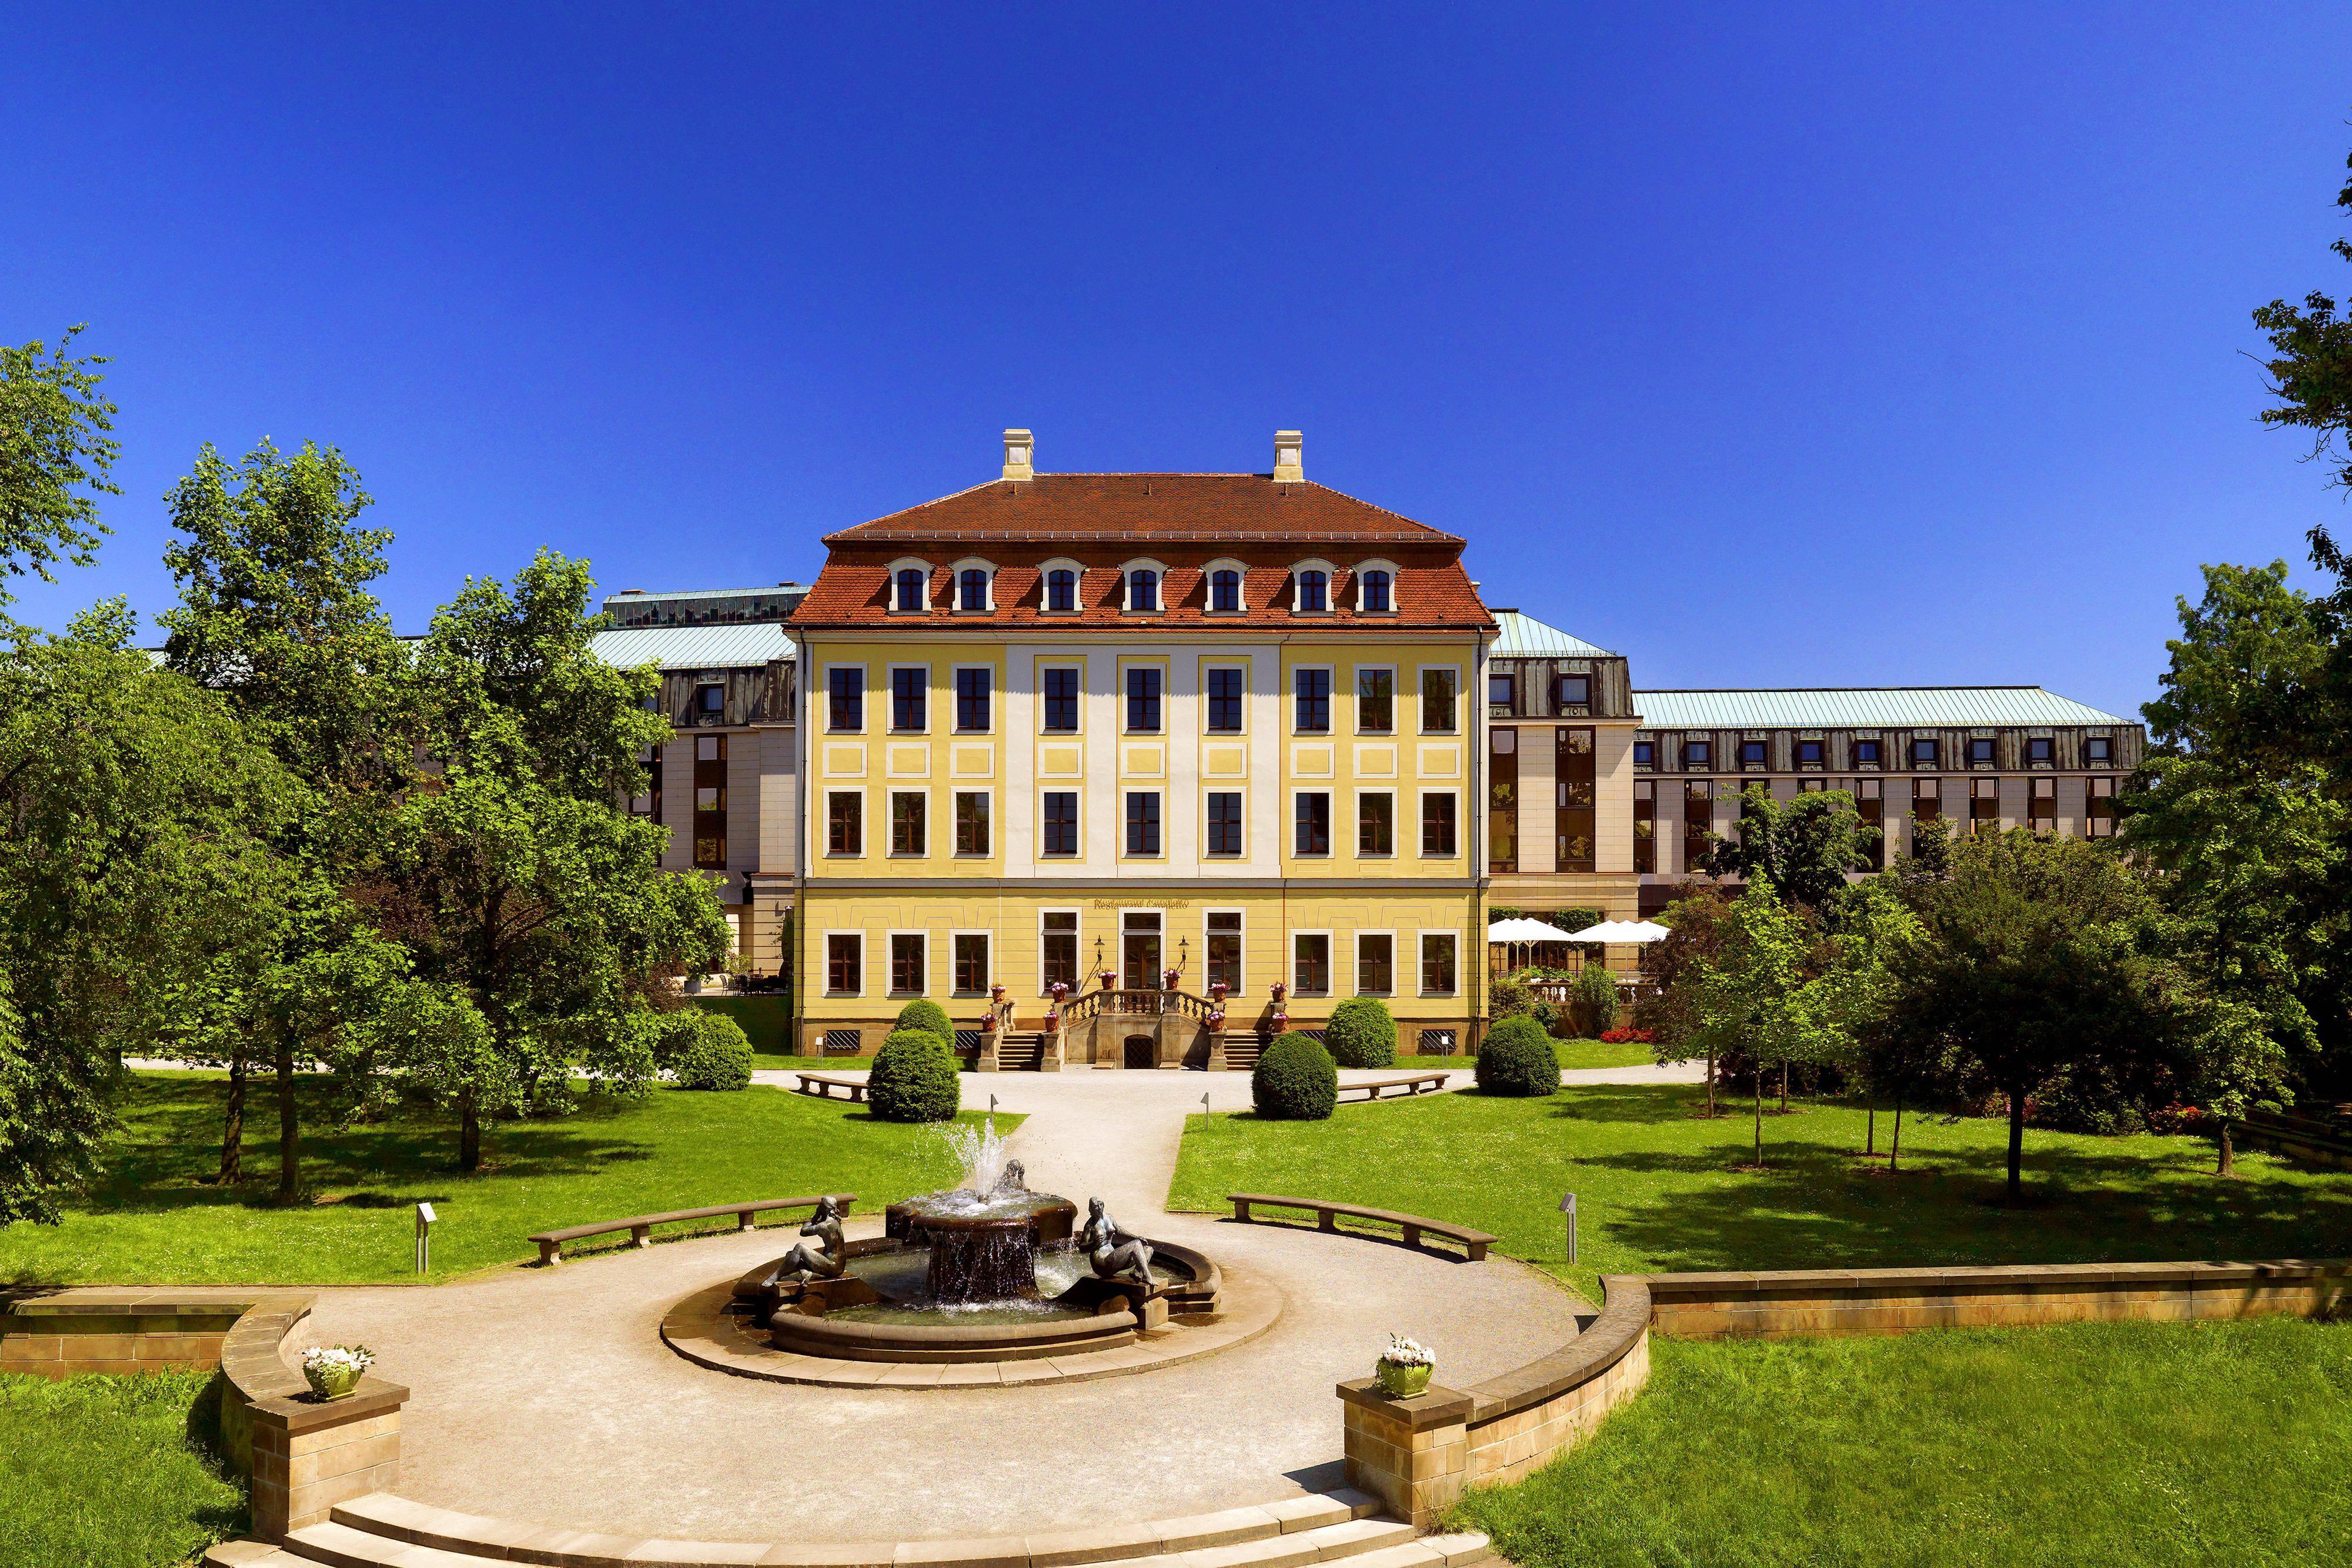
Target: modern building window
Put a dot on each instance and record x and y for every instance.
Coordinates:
(1645, 827)
(907, 821)
(1225, 702)
(1927, 800)
(1313, 818)
(1437, 825)
(1143, 822)
(1375, 963)
(2102, 803)
(1870, 804)
(711, 699)
(1057, 949)
(1312, 689)
(1813, 785)
(1373, 593)
(1502, 799)
(1061, 823)
(1310, 967)
(1439, 701)
(2097, 750)
(1698, 824)
(1061, 591)
(1061, 701)
(1313, 593)
(972, 691)
(1225, 591)
(970, 954)
(1866, 754)
(1576, 693)
(1143, 702)
(1438, 966)
(911, 587)
(972, 822)
(1576, 788)
(906, 964)
(1142, 590)
(910, 691)
(2042, 806)
(1376, 823)
(1375, 702)
(1224, 822)
(971, 589)
(1139, 936)
(1698, 756)
(1980, 751)
(845, 964)
(1500, 690)
(1224, 937)
(710, 803)
(1645, 754)
(844, 700)
(1753, 753)
(844, 824)
(1809, 754)
(1923, 753)
(2039, 751)
(1984, 805)
(648, 803)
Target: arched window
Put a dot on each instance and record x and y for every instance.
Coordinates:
(1062, 589)
(1225, 590)
(1373, 589)
(1142, 590)
(910, 588)
(1312, 594)
(973, 585)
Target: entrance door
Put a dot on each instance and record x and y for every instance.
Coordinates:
(1139, 1050)
(1139, 950)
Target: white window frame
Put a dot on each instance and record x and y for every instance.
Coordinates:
(1420, 711)
(890, 594)
(1331, 575)
(865, 971)
(1356, 585)
(1234, 909)
(955, 698)
(1224, 787)
(1291, 697)
(1421, 809)
(985, 936)
(1166, 668)
(1243, 669)
(1078, 788)
(1291, 959)
(1356, 974)
(1037, 674)
(1208, 586)
(1124, 853)
(1356, 838)
(1078, 585)
(955, 586)
(865, 695)
(1290, 827)
(1420, 956)
(890, 957)
(1078, 942)
(1356, 698)
(986, 792)
(1160, 593)
(825, 825)
(891, 713)
(890, 822)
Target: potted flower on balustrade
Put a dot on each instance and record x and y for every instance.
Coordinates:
(332, 1370)
(1405, 1368)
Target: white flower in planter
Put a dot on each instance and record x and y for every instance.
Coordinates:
(1403, 1352)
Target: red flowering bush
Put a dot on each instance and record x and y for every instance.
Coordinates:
(1629, 1037)
(2177, 1118)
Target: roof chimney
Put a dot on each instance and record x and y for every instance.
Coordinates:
(1018, 451)
(1285, 458)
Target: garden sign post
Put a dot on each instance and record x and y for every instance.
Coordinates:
(1567, 1207)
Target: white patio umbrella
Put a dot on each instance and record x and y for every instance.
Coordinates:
(1630, 932)
(1524, 930)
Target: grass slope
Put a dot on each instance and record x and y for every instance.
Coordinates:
(2126, 1443)
(1576, 1053)
(151, 1220)
(1655, 1192)
(103, 1472)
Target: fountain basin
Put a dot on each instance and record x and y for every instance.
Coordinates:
(982, 1248)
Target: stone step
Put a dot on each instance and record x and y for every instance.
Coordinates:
(385, 1531)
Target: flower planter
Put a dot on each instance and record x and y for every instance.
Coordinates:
(331, 1381)
(1399, 1382)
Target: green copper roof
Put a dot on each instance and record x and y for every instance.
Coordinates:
(1526, 637)
(694, 647)
(1863, 707)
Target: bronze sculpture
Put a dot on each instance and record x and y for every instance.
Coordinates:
(827, 1258)
(1111, 1250)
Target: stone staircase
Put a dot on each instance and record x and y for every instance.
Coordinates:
(1242, 1048)
(382, 1530)
(1021, 1053)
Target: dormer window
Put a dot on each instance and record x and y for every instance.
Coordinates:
(912, 583)
(1225, 591)
(1142, 590)
(1373, 593)
(971, 590)
(1313, 593)
(1061, 591)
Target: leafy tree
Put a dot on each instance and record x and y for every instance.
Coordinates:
(1803, 847)
(1697, 925)
(135, 824)
(518, 882)
(1753, 994)
(56, 449)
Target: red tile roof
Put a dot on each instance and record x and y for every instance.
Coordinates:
(1106, 508)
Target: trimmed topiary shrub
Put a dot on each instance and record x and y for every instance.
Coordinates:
(706, 1050)
(1593, 1003)
(925, 1014)
(1361, 1033)
(1518, 1059)
(914, 1079)
(1295, 1081)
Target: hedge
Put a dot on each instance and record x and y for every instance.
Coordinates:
(1518, 1059)
(914, 1079)
(925, 1014)
(1295, 1081)
(1361, 1033)
(707, 1050)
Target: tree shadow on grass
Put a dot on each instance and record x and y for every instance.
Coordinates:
(1638, 1104)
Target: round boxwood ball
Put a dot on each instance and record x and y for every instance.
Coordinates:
(1361, 1033)
(1295, 1081)
(925, 1014)
(1518, 1059)
(914, 1079)
(710, 1051)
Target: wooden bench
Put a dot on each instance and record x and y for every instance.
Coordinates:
(1413, 1083)
(822, 1086)
(640, 1226)
(1326, 1218)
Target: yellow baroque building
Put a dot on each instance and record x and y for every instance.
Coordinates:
(1060, 726)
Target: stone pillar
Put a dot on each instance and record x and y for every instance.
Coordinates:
(1216, 1063)
(1411, 1454)
(310, 1455)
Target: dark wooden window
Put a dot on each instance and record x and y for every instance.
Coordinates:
(1439, 703)
(1645, 827)
(973, 693)
(1061, 702)
(971, 589)
(1575, 790)
(845, 966)
(2098, 750)
(1061, 590)
(1312, 594)
(1925, 753)
(649, 804)
(1143, 701)
(1061, 823)
(1375, 702)
(846, 692)
(1645, 754)
(971, 963)
(1376, 823)
(1226, 591)
(907, 822)
(1809, 754)
(844, 824)
(1754, 753)
(1224, 940)
(910, 691)
(2040, 750)
(1866, 754)
(907, 965)
(1698, 756)
(1375, 963)
(1698, 822)
(1143, 822)
(1870, 804)
(1576, 693)
(1312, 964)
(1437, 963)
(1374, 592)
(1500, 692)
(1142, 590)
(1312, 689)
(970, 822)
(1059, 945)
(1225, 702)
(911, 587)
(710, 803)
(1224, 822)
(1980, 751)
(1313, 814)
(1437, 824)
(711, 699)
(1502, 799)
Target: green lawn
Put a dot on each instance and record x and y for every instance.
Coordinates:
(2144, 1445)
(1656, 1193)
(1571, 1053)
(107, 1472)
(150, 1219)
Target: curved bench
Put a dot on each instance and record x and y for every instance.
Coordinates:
(1326, 1218)
(640, 1226)
(1412, 1084)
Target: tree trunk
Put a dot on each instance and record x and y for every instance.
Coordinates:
(1870, 1131)
(2229, 1166)
(1784, 1086)
(2016, 1146)
(289, 1127)
(1759, 1113)
(232, 1160)
(1894, 1149)
(1710, 1081)
(469, 1135)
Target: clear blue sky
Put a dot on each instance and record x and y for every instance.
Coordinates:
(1785, 346)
